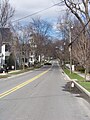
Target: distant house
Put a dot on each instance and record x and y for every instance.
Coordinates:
(5, 52)
(32, 53)
(5, 47)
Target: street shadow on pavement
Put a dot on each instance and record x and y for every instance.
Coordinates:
(72, 90)
(75, 91)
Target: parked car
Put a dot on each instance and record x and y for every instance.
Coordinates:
(1, 70)
(47, 63)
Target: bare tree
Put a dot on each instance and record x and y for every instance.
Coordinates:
(80, 8)
(20, 43)
(64, 26)
(40, 30)
(81, 54)
(6, 13)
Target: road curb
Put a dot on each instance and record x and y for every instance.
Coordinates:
(16, 75)
(77, 85)
(82, 89)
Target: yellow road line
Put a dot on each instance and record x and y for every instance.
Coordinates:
(22, 85)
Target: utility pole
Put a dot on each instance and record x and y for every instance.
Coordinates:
(70, 49)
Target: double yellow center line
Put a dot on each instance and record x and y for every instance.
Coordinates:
(22, 85)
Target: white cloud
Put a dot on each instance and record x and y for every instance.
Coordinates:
(27, 7)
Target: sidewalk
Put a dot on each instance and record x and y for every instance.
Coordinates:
(83, 75)
(84, 87)
(12, 71)
(3, 74)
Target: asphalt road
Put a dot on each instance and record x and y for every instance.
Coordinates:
(41, 95)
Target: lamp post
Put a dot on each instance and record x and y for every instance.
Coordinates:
(70, 48)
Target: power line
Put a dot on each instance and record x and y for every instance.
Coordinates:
(35, 13)
(79, 33)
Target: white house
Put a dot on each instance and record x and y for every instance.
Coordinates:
(32, 53)
(5, 52)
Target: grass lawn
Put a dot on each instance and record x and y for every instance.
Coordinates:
(86, 85)
(79, 78)
(21, 71)
(25, 70)
(15, 73)
(4, 76)
(73, 75)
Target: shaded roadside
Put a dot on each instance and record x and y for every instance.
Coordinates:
(77, 85)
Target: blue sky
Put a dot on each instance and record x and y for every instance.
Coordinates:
(27, 7)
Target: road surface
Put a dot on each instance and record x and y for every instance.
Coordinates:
(41, 95)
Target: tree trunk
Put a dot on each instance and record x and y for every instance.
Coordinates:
(15, 64)
(85, 74)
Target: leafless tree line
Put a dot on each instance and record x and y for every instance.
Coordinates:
(20, 35)
(81, 44)
(33, 37)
